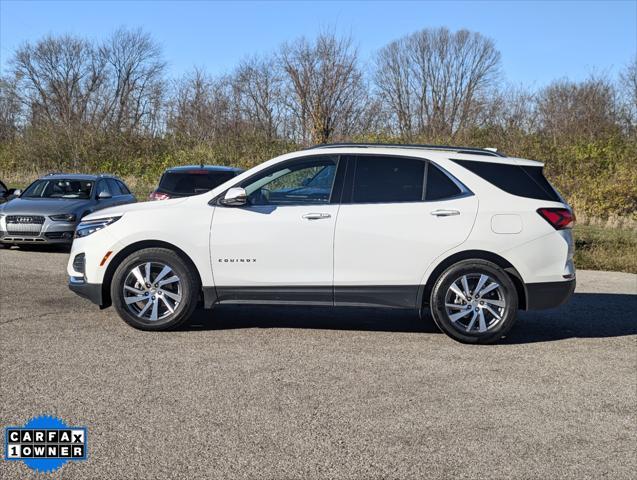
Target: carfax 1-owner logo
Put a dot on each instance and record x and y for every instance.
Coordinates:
(45, 443)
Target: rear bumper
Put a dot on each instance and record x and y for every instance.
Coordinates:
(90, 291)
(548, 294)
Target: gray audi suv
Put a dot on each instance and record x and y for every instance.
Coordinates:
(48, 210)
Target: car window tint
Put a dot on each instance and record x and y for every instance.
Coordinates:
(439, 185)
(114, 187)
(103, 187)
(123, 187)
(306, 183)
(387, 180)
(523, 181)
(59, 188)
(192, 182)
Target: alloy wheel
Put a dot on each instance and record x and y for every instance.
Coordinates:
(152, 291)
(475, 303)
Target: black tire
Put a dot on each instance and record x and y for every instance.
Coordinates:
(189, 288)
(473, 269)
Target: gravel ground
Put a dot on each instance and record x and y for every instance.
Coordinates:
(314, 393)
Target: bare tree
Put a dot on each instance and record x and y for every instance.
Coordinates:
(58, 78)
(325, 88)
(569, 110)
(511, 109)
(258, 85)
(393, 81)
(628, 86)
(135, 71)
(202, 108)
(9, 109)
(436, 82)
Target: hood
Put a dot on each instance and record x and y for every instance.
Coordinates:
(116, 211)
(41, 206)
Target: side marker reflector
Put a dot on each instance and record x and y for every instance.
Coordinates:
(105, 259)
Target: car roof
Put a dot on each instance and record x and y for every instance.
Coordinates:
(77, 176)
(210, 168)
(432, 152)
(72, 176)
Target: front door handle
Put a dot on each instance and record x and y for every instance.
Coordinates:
(445, 213)
(316, 216)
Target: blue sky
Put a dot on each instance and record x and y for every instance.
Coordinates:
(540, 41)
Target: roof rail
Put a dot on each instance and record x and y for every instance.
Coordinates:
(491, 152)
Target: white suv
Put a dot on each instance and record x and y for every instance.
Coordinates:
(471, 234)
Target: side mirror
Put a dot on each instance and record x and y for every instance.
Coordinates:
(103, 195)
(14, 192)
(235, 197)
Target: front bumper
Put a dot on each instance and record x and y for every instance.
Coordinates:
(90, 291)
(49, 232)
(548, 294)
(48, 238)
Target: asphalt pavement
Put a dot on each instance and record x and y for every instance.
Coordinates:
(287, 393)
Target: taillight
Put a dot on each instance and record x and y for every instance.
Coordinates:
(158, 196)
(559, 218)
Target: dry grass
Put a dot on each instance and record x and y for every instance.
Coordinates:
(605, 248)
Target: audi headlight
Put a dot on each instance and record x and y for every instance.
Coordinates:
(64, 217)
(86, 227)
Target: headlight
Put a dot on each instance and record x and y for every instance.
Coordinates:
(86, 227)
(64, 217)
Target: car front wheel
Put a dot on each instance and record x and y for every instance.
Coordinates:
(474, 301)
(155, 289)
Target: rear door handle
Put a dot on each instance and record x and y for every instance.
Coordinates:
(445, 213)
(316, 216)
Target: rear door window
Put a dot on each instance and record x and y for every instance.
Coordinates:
(439, 185)
(192, 182)
(379, 179)
(524, 181)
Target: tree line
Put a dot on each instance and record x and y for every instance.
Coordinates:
(67, 102)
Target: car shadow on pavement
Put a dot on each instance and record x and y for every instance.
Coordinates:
(29, 247)
(225, 317)
(586, 315)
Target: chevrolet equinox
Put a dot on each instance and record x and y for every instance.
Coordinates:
(470, 234)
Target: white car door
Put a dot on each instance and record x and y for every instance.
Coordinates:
(398, 215)
(279, 247)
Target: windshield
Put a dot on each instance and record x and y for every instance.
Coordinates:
(59, 188)
(192, 182)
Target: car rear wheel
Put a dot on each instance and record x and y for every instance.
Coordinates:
(155, 289)
(474, 301)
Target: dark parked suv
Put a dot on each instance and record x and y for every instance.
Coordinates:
(192, 180)
(49, 209)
